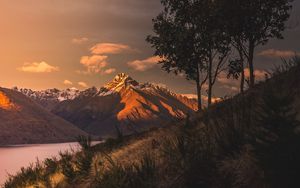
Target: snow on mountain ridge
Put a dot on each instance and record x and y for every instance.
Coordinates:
(120, 81)
(50, 94)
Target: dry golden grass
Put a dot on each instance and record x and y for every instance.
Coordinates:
(56, 179)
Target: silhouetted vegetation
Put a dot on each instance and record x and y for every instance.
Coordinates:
(191, 39)
(35, 175)
(143, 174)
(277, 152)
(198, 38)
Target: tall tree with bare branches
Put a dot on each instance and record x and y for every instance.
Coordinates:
(215, 39)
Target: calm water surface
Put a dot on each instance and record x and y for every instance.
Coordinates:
(12, 158)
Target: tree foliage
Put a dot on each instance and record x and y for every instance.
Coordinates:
(191, 39)
(194, 37)
(176, 40)
(253, 23)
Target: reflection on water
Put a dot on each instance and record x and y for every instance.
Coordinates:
(12, 158)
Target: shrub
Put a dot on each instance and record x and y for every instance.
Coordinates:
(278, 149)
(67, 166)
(31, 175)
(109, 174)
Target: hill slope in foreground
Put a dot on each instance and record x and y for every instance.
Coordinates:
(22, 121)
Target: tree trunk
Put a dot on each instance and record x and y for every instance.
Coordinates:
(199, 96)
(242, 86)
(251, 66)
(210, 82)
(199, 90)
(242, 79)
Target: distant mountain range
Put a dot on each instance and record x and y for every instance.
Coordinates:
(122, 104)
(51, 97)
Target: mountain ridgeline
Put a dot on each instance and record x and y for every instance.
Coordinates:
(22, 121)
(121, 105)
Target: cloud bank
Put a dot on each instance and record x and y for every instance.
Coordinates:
(38, 67)
(277, 53)
(68, 82)
(94, 63)
(143, 65)
(80, 40)
(110, 48)
(203, 97)
(110, 71)
(83, 84)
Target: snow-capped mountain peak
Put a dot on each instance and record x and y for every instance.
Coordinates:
(121, 77)
(120, 81)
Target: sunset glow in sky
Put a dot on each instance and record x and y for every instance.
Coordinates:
(83, 43)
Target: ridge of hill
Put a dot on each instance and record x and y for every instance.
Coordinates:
(22, 121)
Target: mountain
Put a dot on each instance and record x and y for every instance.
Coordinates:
(51, 97)
(123, 104)
(23, 121)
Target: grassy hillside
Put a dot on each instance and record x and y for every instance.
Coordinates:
(250, 140)
(22, 121)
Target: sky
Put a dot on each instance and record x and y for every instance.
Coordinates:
(83, 43)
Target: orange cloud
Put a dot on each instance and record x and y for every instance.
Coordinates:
(38, 67)
(277, 53)
(232, 88)
(259, 74)
(83, 84)
(68, 82)
(110, 48)
(230, 84)
(213, 100)
(143, 65)
(110, 71)
(94, 63)
(222, 78)
(203, 97)
(233, 85)
(80, 40)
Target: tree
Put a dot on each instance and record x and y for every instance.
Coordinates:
(214, 37)
(234, 21)
(191, 38)
(236, 71)
(253, 23)
(177, 42)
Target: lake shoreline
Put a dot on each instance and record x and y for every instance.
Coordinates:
(44, 143)
(14, 157)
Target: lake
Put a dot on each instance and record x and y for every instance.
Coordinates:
(12, 158)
